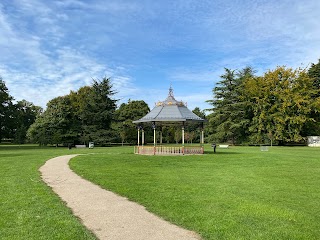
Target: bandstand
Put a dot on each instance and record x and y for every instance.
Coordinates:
(170, 111)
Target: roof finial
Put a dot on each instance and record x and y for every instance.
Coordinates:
(170, 90)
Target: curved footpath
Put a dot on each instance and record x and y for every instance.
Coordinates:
(106, 214)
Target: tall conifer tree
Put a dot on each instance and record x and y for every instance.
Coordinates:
(229, 119)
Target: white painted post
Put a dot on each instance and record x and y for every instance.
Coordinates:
(154, 137)
(183, 140)
(202, 137)
(142, 137)
(183, 136)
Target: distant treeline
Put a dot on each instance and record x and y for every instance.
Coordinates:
(281, 106)
(15, 118)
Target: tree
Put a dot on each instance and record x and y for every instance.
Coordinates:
(281, 102)
(168, 133)
(55, 125)
(189, 136)
(199, 113)
(15, 119)
(193, 128)
(98, 112)
(6, 112)
(125, 114)
(313, 128)
(37, 132)
(85, 116)
(25, 115)
(314, 74)
(229, 118)
(177, 135)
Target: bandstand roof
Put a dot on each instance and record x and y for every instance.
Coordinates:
(170, 110)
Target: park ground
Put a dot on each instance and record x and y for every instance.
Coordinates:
(237, 193)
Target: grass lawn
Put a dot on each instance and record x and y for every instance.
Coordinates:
(237, 193)
(28, 208)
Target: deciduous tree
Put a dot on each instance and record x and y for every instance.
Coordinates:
(6, 112)
(85, 116)
(125, 114)
(25, 115)
(282, 103)
(55, 125)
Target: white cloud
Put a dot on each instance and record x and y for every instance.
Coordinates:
(54, 77)
(109, 6)
(124, 87)
(51, 47)
(37, 73)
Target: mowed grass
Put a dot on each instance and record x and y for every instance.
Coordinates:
(237, 193)
(28, 207)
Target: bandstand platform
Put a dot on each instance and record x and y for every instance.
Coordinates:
(168, 112)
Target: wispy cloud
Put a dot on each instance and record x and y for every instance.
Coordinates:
(37, 73)
(52, 47)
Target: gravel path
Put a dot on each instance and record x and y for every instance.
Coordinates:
(106, 214)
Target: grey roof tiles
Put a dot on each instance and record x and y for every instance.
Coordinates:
(170, 110)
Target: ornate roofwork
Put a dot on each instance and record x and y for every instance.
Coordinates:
(170, 110)
(170, 100)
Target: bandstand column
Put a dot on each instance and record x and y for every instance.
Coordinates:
(154, 137)
(138, 142)
(183, 138)
(142, 141)
(202, 137)
(202, 134)
(154, 133)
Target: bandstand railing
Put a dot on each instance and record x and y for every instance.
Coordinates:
(168, 150)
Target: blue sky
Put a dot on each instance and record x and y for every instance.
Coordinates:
(48, 48)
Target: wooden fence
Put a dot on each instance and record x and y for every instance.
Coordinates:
(167, 150)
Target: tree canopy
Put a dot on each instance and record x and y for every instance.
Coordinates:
(229, 119)
(79, 117)
(282, 101)
(15, 118)
(6, 111)
(279, 106)
(282, 105)
(125, 114)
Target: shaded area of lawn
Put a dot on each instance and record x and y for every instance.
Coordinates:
(238, 193)
(28, 207)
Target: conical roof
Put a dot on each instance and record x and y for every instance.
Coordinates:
(170, 110)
